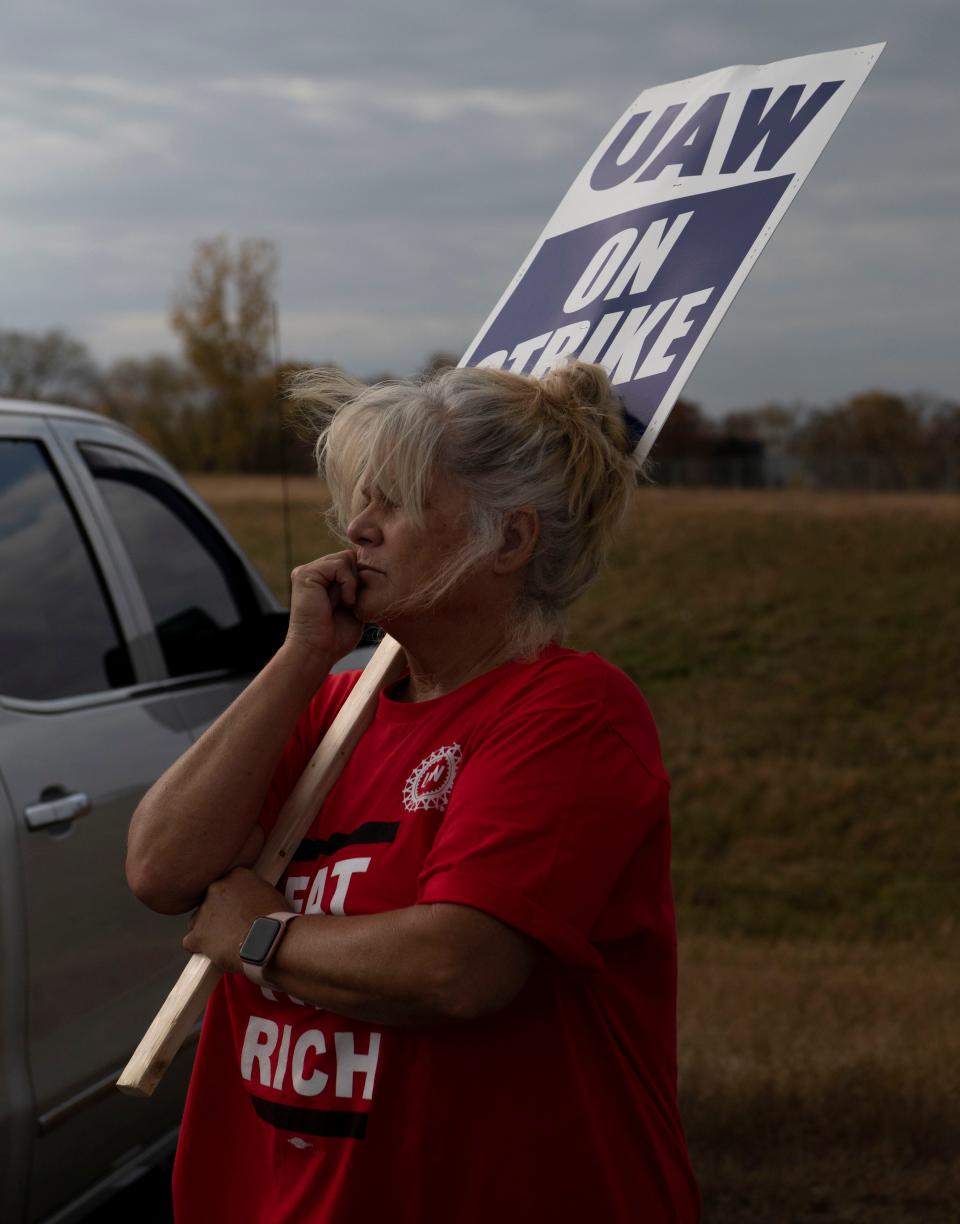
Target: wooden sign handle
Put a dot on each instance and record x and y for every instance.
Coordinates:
(193, 988)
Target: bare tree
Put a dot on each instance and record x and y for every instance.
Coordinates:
(224, 317)
(49, 366)
(874, 440)
(224, 313)
(686, 434)
(161, 399)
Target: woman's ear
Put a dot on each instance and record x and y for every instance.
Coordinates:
(521, 530)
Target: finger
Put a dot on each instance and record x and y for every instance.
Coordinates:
(337, 573)
(348, 587)
(345, 574)
(336, 568)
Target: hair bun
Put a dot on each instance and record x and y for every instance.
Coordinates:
(579, 386)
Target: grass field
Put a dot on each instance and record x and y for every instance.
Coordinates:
(801, 653)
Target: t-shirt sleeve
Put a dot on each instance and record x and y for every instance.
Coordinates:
(311, 726)
(553, 804)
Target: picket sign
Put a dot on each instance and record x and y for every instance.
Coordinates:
(633, 271)
(648, 248)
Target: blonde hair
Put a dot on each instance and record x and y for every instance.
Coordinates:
(559, 445)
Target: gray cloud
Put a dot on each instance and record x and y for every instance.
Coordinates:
(405, 159)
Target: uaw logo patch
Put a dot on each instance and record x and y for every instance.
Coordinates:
(430, 784)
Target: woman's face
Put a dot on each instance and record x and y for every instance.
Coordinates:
(397, 560)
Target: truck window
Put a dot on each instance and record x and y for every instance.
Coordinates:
(195, 585)
(59, 634)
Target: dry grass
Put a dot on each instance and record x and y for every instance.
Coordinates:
(801, 659)
(821, 1081)
(262, 490)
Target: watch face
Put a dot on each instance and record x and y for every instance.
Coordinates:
(259, 940)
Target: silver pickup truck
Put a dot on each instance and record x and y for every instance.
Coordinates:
(128, 620)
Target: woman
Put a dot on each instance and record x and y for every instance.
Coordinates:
(472, 1018)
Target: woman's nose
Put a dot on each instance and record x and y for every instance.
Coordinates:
(363, 528)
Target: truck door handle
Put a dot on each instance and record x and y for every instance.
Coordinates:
(56, 811)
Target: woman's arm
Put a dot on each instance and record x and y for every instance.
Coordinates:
(199, 818)
(418, 965)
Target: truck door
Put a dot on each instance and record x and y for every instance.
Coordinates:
(84, 731)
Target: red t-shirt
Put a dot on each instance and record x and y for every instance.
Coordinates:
(535, 793)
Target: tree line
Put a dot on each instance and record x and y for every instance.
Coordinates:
(875, 439)
(218, 406)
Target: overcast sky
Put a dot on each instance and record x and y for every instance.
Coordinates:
(404, 157)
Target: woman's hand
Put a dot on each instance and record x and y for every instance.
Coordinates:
(321, 606)
(220, 925)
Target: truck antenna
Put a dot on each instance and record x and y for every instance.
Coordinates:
(284, 487)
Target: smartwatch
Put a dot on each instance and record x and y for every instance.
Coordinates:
(261, 943)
